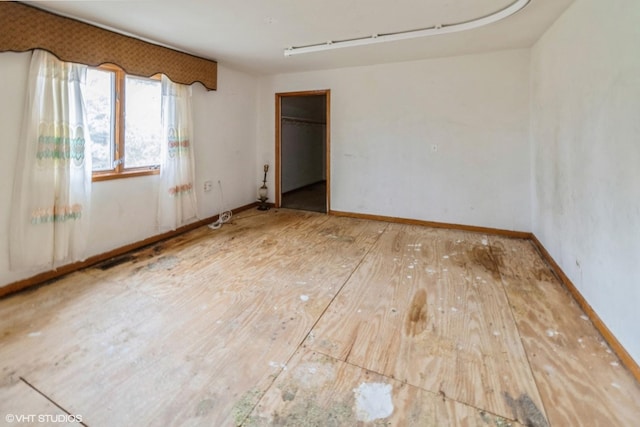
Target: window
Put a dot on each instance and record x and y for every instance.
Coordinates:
(125, 123)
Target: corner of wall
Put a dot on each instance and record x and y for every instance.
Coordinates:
(584, 89)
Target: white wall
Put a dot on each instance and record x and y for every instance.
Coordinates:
(225, 134)
(385, 119)
(13, 85)
(123, 211)
(586, 145)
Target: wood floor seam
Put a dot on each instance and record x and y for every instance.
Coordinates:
(438, 395)
(56, 404)
(522, 344)
(300, 345)
(343, 285)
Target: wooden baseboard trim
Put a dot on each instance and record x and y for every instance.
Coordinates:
(41, 278)
(409, 221)
(608, 336)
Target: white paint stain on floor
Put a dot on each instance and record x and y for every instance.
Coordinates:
(304, 297)
(277, 365)
(373, 401)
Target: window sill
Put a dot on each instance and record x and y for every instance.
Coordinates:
(109, 175)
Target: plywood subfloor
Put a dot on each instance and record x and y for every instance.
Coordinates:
(295, 318)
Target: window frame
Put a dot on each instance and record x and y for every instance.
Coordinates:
(119, 171)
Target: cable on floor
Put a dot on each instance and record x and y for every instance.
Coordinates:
(224, 216)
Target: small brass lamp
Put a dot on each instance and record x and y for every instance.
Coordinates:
(263, 191)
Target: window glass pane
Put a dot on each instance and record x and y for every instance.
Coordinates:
(143, 122)
(98, 98)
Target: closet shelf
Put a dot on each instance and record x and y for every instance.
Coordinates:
(302, 120)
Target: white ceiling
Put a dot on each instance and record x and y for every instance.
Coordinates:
(251, 35)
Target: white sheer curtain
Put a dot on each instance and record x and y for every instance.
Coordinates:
(177, 199)
(52, 186)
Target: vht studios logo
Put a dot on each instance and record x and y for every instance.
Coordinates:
(43, 418)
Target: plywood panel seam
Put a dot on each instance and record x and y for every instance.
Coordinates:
(440, 394)
(306, 336)
(258, 397)
(520, 339)
(63, 409)
(373, 244)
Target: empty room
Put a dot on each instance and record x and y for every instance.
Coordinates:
(295, 213)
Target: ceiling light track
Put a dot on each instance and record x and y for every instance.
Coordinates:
(513, 8)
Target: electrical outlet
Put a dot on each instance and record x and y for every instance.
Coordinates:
(207, 186)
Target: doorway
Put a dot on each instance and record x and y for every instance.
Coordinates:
(302, 150)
